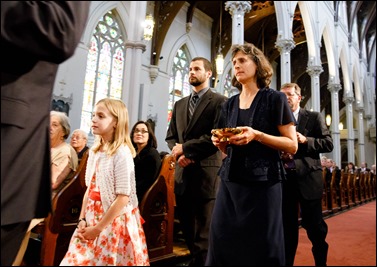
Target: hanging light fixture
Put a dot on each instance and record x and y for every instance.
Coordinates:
(328, 120)
(341, 126)
(219, 58)
(148, 27)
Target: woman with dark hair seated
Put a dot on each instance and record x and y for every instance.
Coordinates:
(147, 160)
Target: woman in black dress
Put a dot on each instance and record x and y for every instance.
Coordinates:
(147, 160)
(247, 227)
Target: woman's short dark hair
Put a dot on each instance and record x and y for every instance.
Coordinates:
(264, 70)
(152, 141)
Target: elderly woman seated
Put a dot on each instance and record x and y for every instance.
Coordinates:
(64, 159)
(79, 140)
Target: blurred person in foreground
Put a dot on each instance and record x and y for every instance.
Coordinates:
(36, 36)
(247, 223)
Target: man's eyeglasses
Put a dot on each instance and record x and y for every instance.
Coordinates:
(291, 94)
(141, 131)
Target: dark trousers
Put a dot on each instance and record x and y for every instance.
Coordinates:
(11, 239)
(194, 216)
(311, 220)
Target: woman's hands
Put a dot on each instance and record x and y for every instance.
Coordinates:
(247, 135)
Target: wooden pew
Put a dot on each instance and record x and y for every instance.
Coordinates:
(334, 192)
(343, 190)
(351, 191)
(61, 223)
(362, 187)
(373, 185)
(325, 204)
(356, 188)
(157, 209)
(368, 196)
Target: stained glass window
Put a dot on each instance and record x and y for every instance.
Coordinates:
(104, 68)
(179, 84)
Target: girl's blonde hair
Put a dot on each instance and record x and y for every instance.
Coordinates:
(121, 134)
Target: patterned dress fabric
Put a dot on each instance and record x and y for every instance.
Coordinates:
(121, 243)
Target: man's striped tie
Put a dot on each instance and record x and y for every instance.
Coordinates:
(194, 99)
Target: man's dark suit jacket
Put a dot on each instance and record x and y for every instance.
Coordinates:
(307, 159)
(195, 135)
(33, 43)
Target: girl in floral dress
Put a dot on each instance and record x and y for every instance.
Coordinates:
(109, 231)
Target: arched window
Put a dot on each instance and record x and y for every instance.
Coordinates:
(105, 66)
(179, 84)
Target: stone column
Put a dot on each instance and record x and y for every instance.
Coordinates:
(314, 72)
(334, 89)
(134, 50)
(348, 100)
(361, 135)
(238, 9)
(285, 46)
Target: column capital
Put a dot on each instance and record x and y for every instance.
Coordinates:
(359, 109)
(285, 45)
(238, 7)
(314, 70)
(136, 45)
(334, 87)
(348, 99)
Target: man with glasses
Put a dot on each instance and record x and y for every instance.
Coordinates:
(303, 186)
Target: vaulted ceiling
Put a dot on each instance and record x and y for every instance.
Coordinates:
(261, 29)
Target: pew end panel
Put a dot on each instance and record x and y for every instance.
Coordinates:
(157, 209)
(325, 200)
(344, 202)
(61, 223)
(334, 192)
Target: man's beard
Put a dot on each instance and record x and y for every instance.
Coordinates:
(195, 82)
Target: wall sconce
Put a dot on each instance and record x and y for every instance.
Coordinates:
(148, 27)
(328, 120)
(219, 58)
(341, 127)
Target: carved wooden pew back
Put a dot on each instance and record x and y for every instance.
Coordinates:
(61, 223)
(157, 209)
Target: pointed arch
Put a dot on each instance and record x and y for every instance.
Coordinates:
(105, 65)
